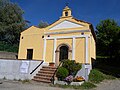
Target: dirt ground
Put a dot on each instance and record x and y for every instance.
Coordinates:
(109, 85)
(17, 85)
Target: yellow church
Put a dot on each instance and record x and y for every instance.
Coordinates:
(66, 38)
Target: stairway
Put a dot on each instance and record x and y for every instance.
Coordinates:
(45, 74)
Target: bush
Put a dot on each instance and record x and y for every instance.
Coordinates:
(4, 46)
(71, 66)
(96, 76)
(62, 73)
(26, 81)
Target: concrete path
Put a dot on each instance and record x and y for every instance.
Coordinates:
(15, 85)
(109, 85)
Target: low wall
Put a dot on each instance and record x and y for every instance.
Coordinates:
(84, 71)
(18, 69)
(8, 55)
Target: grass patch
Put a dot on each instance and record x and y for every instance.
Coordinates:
(109, 77)
(85, 85)
(102, 56)
(115, 71)
(25, 81)
(96, 76)
(107, 66)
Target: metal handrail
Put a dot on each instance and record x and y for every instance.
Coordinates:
(36, 67)
(52, 79)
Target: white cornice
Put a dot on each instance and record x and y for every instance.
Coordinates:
(66, 37)
(65, 32)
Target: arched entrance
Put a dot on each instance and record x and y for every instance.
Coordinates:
(62, 52)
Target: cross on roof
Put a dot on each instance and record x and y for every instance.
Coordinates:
(67, 3)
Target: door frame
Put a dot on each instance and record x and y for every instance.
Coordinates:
(57, 52)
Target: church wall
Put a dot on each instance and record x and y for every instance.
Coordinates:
(38, 44)
(34, 42)
(93, 48)
(67, 42)
(80, 50)
(49, 51)
(69, 34)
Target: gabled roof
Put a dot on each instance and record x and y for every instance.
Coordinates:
(91, 27)
(32, 29)
(72, 19)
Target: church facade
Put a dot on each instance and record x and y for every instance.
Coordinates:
(67, 38)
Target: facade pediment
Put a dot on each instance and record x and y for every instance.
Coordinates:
(65, 24)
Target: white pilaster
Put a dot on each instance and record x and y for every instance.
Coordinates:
(73, 48)
(54, 48)
(44, 50)
(86, 49)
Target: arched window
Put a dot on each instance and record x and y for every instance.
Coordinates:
(66, 13)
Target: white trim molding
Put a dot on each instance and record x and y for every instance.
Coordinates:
(73, 48)
(65, 32)
(86, 49)
(44, 49)
(66, 37)
(54, 49)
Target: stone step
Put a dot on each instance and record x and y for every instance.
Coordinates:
(43, 77)
(44, 74)
(47, 72)
(49, 67)
(42, 80)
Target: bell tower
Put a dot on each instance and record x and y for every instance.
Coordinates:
(66, 12)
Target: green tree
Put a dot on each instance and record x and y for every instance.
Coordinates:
(108, 38)
(42, 24)
(3, 2)
(11, 22)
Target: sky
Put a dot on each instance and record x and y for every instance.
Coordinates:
(92, 11)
